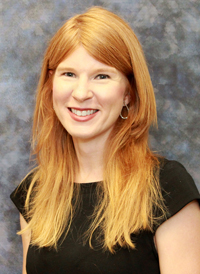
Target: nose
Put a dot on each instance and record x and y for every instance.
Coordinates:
(81, 91)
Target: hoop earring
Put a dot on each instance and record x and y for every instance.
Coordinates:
(127, 113)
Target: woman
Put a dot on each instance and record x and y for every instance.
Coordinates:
(99, 200)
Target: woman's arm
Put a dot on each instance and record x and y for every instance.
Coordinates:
(26, 237)
(178, 242)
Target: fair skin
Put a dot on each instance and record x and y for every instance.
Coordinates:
(178, 242)
(88, 97)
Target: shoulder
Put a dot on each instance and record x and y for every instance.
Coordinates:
(23, 187)
(178, 241)
(18, 196)
(178, 187)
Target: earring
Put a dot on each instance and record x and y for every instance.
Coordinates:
(127, 113)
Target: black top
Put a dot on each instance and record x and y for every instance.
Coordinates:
(73, 257)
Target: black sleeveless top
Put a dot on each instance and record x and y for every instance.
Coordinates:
(73, 257)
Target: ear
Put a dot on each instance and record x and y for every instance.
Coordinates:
(127, 98)
(50, 72)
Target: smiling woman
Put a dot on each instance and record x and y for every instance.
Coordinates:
(88, 96)
(100, 201)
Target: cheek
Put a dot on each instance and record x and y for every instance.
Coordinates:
(55, 92)
(56, 96)
(115, 96)
(60, 93)
(112, 102)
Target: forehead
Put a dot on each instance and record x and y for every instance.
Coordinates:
(80, 58)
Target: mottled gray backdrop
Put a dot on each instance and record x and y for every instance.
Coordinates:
(169, 31)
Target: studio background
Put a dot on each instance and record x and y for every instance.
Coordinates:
(170, 34)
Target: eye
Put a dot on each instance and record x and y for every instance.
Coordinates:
(102, 76)
(69, 74)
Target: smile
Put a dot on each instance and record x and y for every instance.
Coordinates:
(83, 112)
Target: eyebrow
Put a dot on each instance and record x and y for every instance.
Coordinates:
(64, 68)
(109, 70)
(98, 70)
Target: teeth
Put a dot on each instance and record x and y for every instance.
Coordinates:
(83, 113)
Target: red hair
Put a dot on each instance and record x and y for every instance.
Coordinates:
(131, 188)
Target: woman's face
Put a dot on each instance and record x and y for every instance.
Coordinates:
(88, 96)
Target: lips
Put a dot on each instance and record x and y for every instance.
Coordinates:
(83, 113)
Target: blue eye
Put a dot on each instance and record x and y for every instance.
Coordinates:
(69, 74)
(102, 76)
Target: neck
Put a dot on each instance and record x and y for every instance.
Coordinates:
(90, 157)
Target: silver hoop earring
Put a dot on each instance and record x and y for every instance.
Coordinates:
(127, 113)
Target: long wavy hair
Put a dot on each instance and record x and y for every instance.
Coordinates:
(130, 193)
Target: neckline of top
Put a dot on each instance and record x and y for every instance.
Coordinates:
(89, 184)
